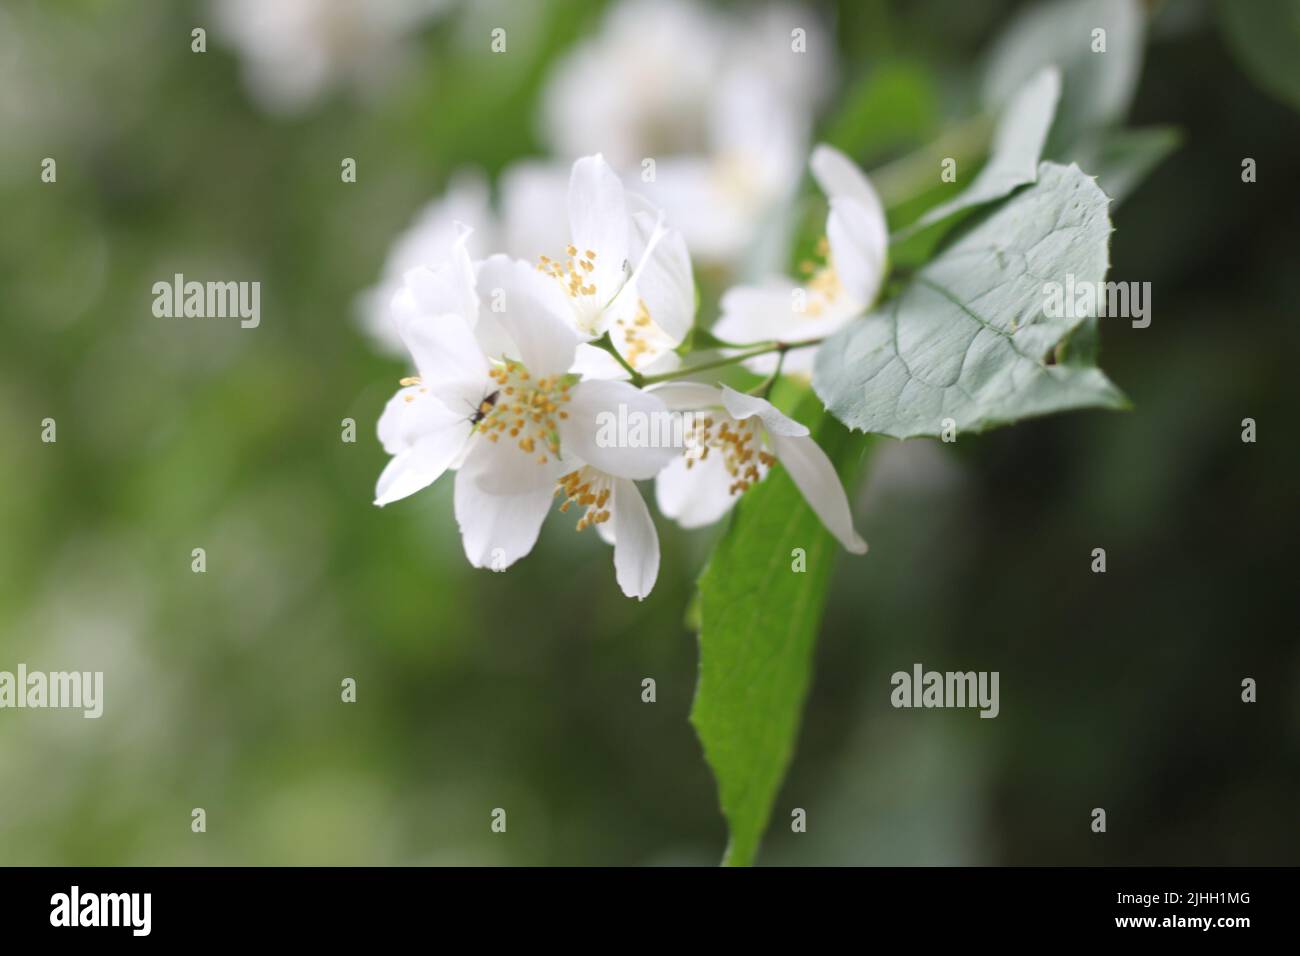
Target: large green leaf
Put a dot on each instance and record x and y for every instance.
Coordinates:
(969, 338)
(1097, 87)
(1265, 37)
(759, 622)
(1016, 149)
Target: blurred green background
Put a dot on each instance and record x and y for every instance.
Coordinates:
(522, 690)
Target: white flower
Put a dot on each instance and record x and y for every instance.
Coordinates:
(623, 273)
(639, 86)
(494, 400)
(294, 51)
(736, 440)
(531, 221)
(722, 104)
(855, 253)
(619, 513)
(732, 201)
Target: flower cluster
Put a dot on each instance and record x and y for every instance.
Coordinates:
(707, 112)
(521, 366)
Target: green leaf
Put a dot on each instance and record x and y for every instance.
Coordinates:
(1265, 37)
(1097, 88)
(969, 338)
(894, 107)
(1015, 152)
(1122, 159)
(759, 623)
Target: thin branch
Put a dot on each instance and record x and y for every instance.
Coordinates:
(781, 347)
(607, 344)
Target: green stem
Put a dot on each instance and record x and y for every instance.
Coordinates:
(764, 349)
(606, 343)
(764, 388)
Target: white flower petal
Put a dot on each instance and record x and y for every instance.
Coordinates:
(447, 286)
(741, 406)
(413, 470)
(617, 428)
(839, 177)
(410, 415)
(492, 337)
(667, 362)
(636, 543)
(444, 222)
(759, 313)
(606, 528)
(503, 468)
(643, 74)
(534, 212)
(599, 222)
(592, 362)
(445, 351)
(598, 317)
(859, 248)
(709, 200)
(662, 283)
(762, 129)
(695, 496)
(533, 315)
(688, 396)
(664, 280)
(643, 344)
(496, 530)
(430, 239)
(424, 443)
(815, 477)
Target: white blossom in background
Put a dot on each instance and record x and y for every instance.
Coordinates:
(530, 219)
(735, 441)
(720, 102)
(843, 286)
(294, 52)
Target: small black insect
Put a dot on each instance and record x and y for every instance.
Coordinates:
(484, 409)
